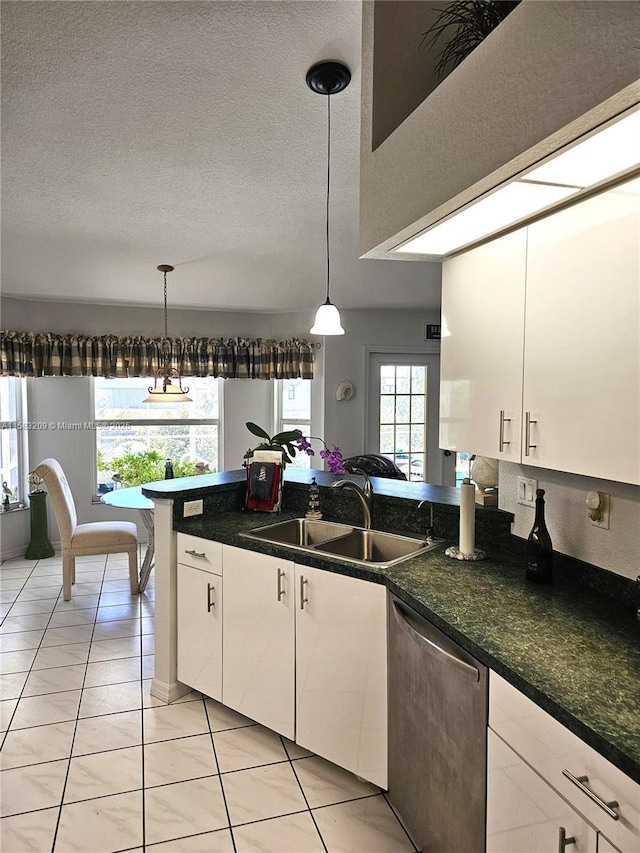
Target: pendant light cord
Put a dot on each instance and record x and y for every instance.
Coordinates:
(166, 334)
(328, 180)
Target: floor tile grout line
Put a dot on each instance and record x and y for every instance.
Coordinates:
(75, 727)
(293, 770)
(215, 756)
(8, 729)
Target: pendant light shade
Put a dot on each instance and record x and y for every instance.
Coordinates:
(163, 389)
(328, 78)
(327, 320)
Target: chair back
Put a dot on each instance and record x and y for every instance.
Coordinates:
(61, 498)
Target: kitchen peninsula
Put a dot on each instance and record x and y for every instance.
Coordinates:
(574, 652)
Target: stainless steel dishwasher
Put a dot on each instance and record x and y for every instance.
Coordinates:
(438, 706)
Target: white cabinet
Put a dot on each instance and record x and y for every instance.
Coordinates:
(540, 359)
(606, 798)
(605, 846)
(341, 671)
(524, 813)
(581, 359)
(200, 614)
(305, 653)
(481, 349)
(259, 639)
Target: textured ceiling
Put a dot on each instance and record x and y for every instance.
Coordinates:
(139, 133)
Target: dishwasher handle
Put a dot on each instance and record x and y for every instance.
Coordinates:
(405, 621)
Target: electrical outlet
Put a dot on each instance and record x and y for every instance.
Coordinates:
(192, 508)
(527, 491)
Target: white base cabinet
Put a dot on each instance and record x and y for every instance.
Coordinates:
(341, 671)
(200, 614)
(548, 755)
(300, 650)
(259, 641)
(524, 813)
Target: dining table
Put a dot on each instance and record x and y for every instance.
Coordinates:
(131, 497)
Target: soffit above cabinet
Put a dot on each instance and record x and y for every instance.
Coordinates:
(549, 74)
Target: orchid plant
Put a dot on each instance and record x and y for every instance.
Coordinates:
(290, 442)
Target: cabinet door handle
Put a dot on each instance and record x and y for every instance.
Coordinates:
(195, 553)
(210, 601)
(281, 591)
(563, 841)
(303, 597)
(527, 433)
(503, 421)
(581, 782)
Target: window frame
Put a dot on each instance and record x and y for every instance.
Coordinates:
(19, 385)
(280, 421)
(154, 422)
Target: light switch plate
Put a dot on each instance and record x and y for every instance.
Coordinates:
(527, 491)
(192, 508)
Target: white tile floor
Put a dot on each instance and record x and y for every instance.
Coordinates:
(90, 762)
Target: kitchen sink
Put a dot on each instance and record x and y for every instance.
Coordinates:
(344, 541)
(372, 546)
(302, 532)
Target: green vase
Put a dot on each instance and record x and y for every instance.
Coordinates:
(39, 547)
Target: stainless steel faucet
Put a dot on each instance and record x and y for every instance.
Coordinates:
(365, 494)
(429, 533)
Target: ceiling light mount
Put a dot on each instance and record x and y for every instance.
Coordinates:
(328, 78)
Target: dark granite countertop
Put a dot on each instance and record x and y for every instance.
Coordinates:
(569, 647)
(574, 652)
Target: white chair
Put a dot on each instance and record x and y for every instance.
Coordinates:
(96, 537)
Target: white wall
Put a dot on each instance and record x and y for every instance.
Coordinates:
(617, 549)
(345, 359)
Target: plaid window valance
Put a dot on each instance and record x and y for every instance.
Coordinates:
(48, 354)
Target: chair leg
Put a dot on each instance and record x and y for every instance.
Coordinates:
(133, 572)
(68, 576)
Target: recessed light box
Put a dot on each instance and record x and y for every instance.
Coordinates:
(612, 151)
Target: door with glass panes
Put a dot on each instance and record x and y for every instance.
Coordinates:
(403, 414)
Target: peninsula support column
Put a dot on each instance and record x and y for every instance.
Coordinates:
(165, 684)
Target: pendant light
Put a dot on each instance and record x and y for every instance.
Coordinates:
(166, 391)
(328, 78)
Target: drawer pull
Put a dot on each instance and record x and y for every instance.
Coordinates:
(195, 553)
(563, 841)
(581, 782)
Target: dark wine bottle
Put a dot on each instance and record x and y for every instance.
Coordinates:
(168, 470)
(539, 548)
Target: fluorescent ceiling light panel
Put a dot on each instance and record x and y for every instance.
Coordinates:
(609, 152)
(509, 204)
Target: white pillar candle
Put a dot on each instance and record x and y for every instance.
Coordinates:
(467, 517)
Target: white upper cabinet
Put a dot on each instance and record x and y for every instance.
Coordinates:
(481, 349)
(540, 342)
(582, 338)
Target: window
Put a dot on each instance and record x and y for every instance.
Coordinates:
(402, 419)
(125, 426)
(293, 405)
(12, 438)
